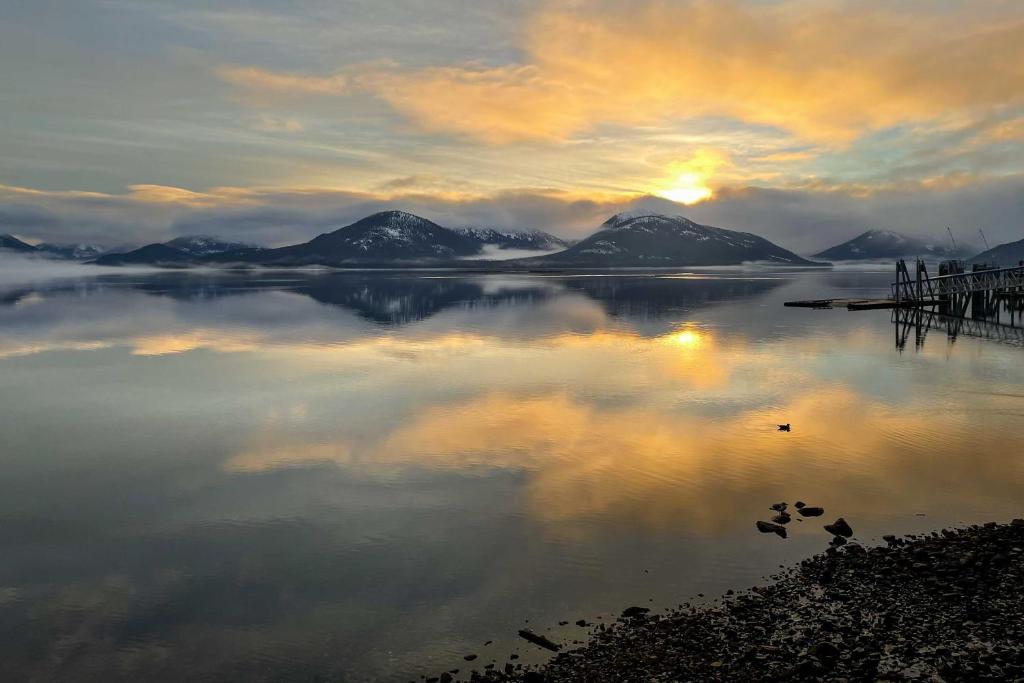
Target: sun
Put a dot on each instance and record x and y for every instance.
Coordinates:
(687, 180)
(688, 188)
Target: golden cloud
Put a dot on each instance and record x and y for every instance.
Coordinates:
(825, 72)
(261, 79)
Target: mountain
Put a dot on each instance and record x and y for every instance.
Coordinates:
(396, 238)
(659, 240)
(529, 240)
(204, 245)
(14, 244)
(385, 237)
(1009, 254)
(180, 250)
(154, 254)
(884, 244)
(77, 252)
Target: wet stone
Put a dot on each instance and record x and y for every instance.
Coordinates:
(839, 528)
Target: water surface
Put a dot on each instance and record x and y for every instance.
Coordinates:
(357, 476)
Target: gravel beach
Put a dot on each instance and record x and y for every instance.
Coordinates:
(948, 606)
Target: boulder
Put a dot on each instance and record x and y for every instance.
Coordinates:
(771, 528)
(839, 528)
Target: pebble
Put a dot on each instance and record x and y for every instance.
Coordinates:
(934, 607)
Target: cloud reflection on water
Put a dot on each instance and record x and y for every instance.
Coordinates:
(247, 476)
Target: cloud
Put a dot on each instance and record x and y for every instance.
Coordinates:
(253, 78)
(276, 124)
(804, 219)
(14, 217)
(828, 73)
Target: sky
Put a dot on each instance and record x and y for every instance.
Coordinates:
(132, 121)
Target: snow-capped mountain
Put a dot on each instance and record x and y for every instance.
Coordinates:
(530, 240)
(400, 238)
(74, 252)
(885, 244)
(204, 245)
(12, 243)
(388, 236)
(642, 239)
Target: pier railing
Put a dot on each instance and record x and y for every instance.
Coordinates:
(923, 288)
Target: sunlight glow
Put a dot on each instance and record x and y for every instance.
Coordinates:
(687, 180)
(690, 339)
(689, 189)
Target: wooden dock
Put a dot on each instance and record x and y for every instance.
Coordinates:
(851, 304)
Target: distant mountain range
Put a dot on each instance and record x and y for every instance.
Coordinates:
(400, 239)
(397, 238)
(78, 252)
(886, 244)
(388, 237)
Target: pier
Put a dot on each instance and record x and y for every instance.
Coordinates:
(952, 291)
(985, 285)
(984, 301)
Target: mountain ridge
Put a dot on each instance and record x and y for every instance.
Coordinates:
(1006, 254)
(12, 243)
(180, 250)
(398, 238)
(535, 240)
(885, 244)
(655, 239)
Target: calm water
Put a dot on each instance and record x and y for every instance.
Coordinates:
(303, 477)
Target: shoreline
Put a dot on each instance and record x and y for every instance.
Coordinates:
(943, 606)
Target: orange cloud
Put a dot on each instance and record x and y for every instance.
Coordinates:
(825, 72)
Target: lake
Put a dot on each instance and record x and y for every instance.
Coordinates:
(300, 476)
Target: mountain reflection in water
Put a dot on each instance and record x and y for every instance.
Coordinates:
(364, 476)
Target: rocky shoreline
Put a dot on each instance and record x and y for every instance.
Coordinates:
(946, 606)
